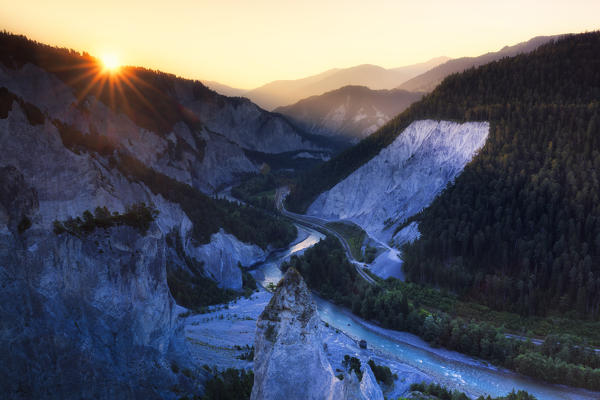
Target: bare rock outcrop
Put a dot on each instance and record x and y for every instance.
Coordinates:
(403, 178)
(290, 361)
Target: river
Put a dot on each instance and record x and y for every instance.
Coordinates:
(449, 368)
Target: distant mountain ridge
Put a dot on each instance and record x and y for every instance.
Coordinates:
(350, 113)
(428, 80)
(225, 90)
(286, 92)
(421, 77)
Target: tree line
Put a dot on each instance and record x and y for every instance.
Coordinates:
(519, 229)
(392, 304)
(441, 393)
(138, 215)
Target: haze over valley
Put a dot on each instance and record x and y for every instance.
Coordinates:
(429, 230)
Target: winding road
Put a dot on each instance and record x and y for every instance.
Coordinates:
(320, 225)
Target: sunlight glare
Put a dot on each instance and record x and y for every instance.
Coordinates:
(110, 62)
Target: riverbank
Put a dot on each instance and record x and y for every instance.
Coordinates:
(221, 337)
(218, 337)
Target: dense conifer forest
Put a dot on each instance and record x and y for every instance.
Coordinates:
(434, 391)
(565, 359)
(519, 229)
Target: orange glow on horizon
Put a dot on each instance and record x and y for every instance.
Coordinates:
(245, 44)
(106, 79)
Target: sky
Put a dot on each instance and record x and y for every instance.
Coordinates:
(248, 43)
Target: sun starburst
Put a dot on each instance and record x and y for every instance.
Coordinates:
(110, 62)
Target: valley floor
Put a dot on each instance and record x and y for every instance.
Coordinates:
(219, 337)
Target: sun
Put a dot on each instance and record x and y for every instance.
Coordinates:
(110, 62)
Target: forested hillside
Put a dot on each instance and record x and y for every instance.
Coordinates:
(427, 81)
(520, 227)
(565, 359)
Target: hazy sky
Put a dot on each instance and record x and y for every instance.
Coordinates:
(248, 43)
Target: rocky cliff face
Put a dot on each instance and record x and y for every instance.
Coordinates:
(91, 315)
(290, 361)
(244, 123)
(207, 155)
(223, 254)
(403, 178)
(185, 154)
(68, 183)
(366, 388)
(86, 316)
(18, 201)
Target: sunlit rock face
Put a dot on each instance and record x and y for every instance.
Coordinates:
(92, 316)
(207, 157)
(290, 361)
(404, 177)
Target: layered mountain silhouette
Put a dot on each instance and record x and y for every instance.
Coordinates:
(286, 92)
(351, 112)
(427, 81)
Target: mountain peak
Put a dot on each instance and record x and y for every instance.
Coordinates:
(282, 93)
(292, 295)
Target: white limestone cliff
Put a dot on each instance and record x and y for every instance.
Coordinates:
(91, 315)
(403, 178)
(366, 388)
